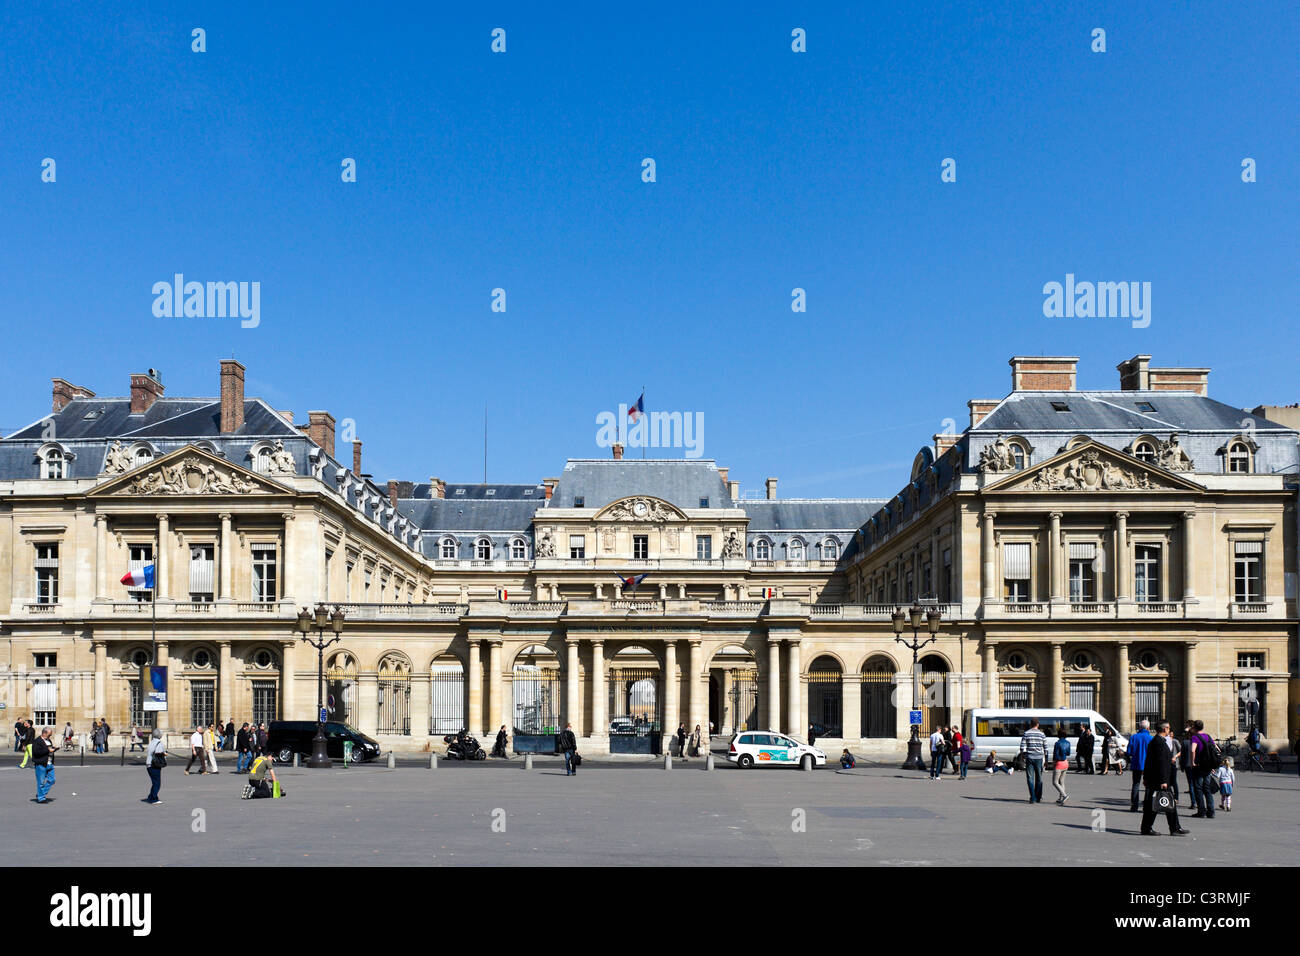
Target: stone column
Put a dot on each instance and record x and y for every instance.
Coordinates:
(163, 720)
(1189, 681)
(224, 591)
(161, 565)
(989, 690)
(599, 693)
(288, 678)
(726, 716)
(101, 679)
(852, 712)
(794, 717)
(1189, 558)
(1123, 701)
(289, 569)
(1054, 559)
(989, 559)
(475, 690)
(573, 692)
(224, 677)
(495, 717)
(368, 703)
(699, 711)
(774, 683)
(1054, 692)
(421, 693)
(101, 554)
(1122, 595)
(670, 691)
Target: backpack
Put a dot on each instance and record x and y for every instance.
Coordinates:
(1208, 755)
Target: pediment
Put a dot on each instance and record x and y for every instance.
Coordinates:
(641, 508)
(187, 471)
(1092, 467)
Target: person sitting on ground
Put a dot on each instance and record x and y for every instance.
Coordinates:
(261, 779)
(846, 760)
(993, 765)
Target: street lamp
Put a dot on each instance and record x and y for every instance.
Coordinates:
(322, 621)
(901, 619)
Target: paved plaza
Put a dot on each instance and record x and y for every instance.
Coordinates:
(620, 814)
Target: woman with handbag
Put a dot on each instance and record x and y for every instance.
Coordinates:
(155, 758)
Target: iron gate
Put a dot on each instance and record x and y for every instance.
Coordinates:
(537, 708)
(446, 698)
(879, 714)
(744, 700)
(826, 699)
(395, 706)
(636, 718)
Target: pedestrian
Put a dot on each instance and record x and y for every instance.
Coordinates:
(19, 729)
(1033, 744)
(68, 736)
(681, 741)
(1060, 764)
(812, 734)
(29, 738)
(1295, 750)
(43, 749)
(1158, 770)
(1226, 779)
(993, 765)
(137, 741)
(499, 748)
(1087, 740)
(1177, 746)
(263, 739)
(1107, 749)
(261, 779)
(1137, 752)
(936, 754)
(846, 760)
(1204, 760)
(1184, 756)
(229, 743)
(210, 744)
(947, 746)
(700, 742)
(196, 751)
(569, 746)
(965, 757)
(245, 748)
(155, 758)
(954, 749)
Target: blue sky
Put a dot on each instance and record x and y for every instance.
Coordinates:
(522, 171)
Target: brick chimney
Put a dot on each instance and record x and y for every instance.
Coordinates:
(145, 390)
(232, 396)
(1181, 380)
(771, 489)
(356, 458)
(1135, 375)
(65, 391)
(1043, 373)
(733, 489)
(943, 442)
(320, 429)
(618, 451)
(980, 408)
(550, 484)
(288, 416)
(723, 473)
(437, 488)
(393, 494)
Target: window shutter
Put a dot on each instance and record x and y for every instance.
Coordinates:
(1083, 550)
(201, 576)
(45, 695)
(1015, 561)
(1249, 547)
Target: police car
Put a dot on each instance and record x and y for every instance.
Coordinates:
(766, 748)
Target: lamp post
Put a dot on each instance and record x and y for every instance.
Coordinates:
(322, 621)
(901, 619)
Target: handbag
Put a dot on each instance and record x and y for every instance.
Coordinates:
(1164, 800)
(577, 759)
(1213, 783)
(160, 759)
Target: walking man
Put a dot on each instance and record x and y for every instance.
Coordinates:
(936, 754)
(1137, 755)
(43, 748)
(569, 745)
(1158, 773)
(245, 747)
(1033, 744)
(681, 741)
(1087, 740)
(1203, 761)
(196, 751)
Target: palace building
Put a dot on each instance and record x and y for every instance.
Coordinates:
(1129, 550)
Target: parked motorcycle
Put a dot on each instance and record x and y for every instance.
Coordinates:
(463, 748)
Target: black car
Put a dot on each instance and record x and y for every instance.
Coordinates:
(288, 737)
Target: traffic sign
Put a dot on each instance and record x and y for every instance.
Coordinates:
(323, 715)
(915, 718)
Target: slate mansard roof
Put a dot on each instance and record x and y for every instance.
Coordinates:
(599, 482)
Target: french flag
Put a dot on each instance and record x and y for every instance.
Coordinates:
(637, 410)
(630, 584)
(139, 578)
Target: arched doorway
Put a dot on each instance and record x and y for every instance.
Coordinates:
(879, 707)
(446, 696)
(826, 697)
(734, 672)
(934, 693)
(394, 695)
(341, 687)
(635, 702)
(537, 698)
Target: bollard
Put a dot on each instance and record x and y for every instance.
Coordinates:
(528, 761)
(668, 761)
(708, 762)
(295, 760)
(433, 761)
(83, 755)
(392, 760)
(123, 763)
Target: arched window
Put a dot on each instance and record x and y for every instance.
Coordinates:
(141, 454)
(483, 549)
(762, 550)
(830, 550)
(1238, 458)
(1144, 451)
(518, 550)
(795, 551)
(1018, 456)
(447, 549)
(262, 460)
(53, 464)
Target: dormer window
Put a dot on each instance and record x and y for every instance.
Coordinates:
(1238, 458)
(262, 460)
(1060, 406)
(483, 549)
(1017, 455)
(704, 502)
(489, 493)
(762, 550)
(53, 464)
(795, 550)
(1144, 451)
(1145, 408)
(460, 492)
(830, 550)
(447, 549)
(518, 550)
(141, 455)
(579, 501)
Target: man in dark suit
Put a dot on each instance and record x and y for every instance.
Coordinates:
(1158, 774)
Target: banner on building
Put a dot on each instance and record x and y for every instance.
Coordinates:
(153, 682)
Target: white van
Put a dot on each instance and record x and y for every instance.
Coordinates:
(997, 729)
(767, 748)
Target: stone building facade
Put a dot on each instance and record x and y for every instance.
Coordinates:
(1130, 550)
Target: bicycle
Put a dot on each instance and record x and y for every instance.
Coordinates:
(1230, 749)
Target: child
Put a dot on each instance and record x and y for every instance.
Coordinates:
(964, 750)
(1225, 777)
(846, 760)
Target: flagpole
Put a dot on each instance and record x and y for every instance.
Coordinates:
(647, 425)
